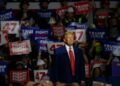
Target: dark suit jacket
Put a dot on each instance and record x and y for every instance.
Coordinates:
(61, 70)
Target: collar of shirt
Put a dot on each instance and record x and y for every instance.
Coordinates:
(67, 48)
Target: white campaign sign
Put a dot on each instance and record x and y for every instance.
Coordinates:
(2, 39)
(39, 74)
(80, 35)
(52, 45)
(11, 27)
(18, 48)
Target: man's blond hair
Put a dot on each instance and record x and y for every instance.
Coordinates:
(68, 32)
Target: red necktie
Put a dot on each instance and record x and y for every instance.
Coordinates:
(72, 61)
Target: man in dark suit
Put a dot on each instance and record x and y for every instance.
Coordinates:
(68, 62)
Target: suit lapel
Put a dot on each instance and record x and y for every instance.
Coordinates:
(66, 57)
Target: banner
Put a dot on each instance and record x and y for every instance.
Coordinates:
(80, 35)
(19, 76)
(82, 7)
(116, 69)
(6, 15)
(18, 48)
(53, 45)
(98, 34)
(10, 27)
(58, 31)
(27, 31)
(3, 40)
(42, 45)
(39, 74)
(3, 67)
(40, 34)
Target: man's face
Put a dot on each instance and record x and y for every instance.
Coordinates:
(69, 39)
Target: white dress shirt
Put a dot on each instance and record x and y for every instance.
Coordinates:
(67, 48)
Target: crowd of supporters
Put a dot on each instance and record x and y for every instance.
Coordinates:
(97, 58)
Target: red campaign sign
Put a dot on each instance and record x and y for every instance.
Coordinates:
(102, 14)
(87, 70)
(19, 76)
(61, 11)
(58, 30)
(18, 48)
(82, 7)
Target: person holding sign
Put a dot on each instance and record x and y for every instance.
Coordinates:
(68, 63)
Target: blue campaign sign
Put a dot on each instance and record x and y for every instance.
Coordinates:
(110, 46)
(82, 26)
(27, 31)
(98, 34)
(42, 45)
(3, 68)
(6, 15)
(40, 34)
(116, 69)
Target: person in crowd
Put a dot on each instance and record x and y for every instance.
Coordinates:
(37, 84)
(102, 14)
(69, 16)
(83, 46)
(113, 30)
(96, 52)
(3, 75)
(44, 15)
(97, 74)
(27, 17)
(41, 64)
(6, 14)
(68, 63)
(29, 83)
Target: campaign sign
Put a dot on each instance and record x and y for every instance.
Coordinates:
(110, 46)
(20, 47)
(42, 45)
(19, 76)
(3, 67)
(53, 45)
(82, 7)
(40, 34)
(116, 69)
(27, 31)
(98, 34)
(58, 31)
(6, 15)
(80, 35)
(102, 14)
(10, 27)
(39, 74)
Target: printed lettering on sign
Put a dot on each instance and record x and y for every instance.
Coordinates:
(82, 7)
(18, 48)
(39, 74)
(11, 27)
(53, 45)
(19, 76)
